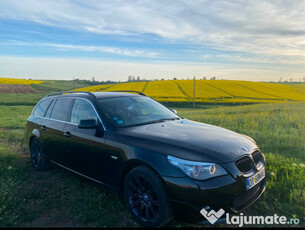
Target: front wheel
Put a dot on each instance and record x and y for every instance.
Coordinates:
(38, 158)
(146, 198)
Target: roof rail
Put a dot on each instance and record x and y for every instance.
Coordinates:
(142, 94)
(67, 92)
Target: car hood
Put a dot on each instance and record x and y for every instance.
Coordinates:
(190, 140)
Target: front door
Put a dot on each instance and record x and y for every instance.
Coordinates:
(87, 152)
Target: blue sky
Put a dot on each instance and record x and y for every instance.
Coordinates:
(62, 39)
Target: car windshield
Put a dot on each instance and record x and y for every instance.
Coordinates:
(133, 111)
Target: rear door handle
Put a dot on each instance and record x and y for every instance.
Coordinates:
(43, 127)
(67, 134)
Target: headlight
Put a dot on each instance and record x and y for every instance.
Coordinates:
(197, 170)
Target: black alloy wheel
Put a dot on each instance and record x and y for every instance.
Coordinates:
(145, 197)
(37, 156)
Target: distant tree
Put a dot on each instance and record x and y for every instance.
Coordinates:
(138, 78)
(175, 78)
(129, 78)
(204, 78)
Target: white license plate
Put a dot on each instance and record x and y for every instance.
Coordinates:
(255, 179)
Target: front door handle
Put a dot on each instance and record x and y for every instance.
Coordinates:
(67, 134)
(43, 127)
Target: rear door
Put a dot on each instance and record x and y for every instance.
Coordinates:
(53, 124)
(34, 121)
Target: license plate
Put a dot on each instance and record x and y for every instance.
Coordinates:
(255, 179)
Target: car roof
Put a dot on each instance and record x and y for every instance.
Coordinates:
(114, 94)
(97, 95)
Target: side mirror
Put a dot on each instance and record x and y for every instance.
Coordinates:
(175, 111)
(87, 124)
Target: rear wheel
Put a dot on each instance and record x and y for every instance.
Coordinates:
(38, 159)
(146, 198)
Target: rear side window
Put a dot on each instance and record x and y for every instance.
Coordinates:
(82, 110)
(41, 108)
(48, 114)
(61, 109)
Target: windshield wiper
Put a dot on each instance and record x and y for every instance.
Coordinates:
(152, 122)
(170, 119)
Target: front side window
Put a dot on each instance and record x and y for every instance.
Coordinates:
(82, 110)
(41, 108)
(61, 109)
(131, 111)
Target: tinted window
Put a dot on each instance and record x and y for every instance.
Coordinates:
(82, 110)
(61, 109)
(48, 114)
(41, 108)
(129, 111)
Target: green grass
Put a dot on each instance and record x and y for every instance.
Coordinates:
(14, 117)
(285, 193)
(20, 98)
(56, 198)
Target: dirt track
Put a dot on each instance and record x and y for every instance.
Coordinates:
(10, 88)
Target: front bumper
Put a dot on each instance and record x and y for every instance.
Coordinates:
(228, 192)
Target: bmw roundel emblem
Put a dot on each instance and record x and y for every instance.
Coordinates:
(244, 148)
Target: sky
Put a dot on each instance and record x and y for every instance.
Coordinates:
(110, 39)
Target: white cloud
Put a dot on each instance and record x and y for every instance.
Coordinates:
(190, 20)
(102, 49)
(255, 31)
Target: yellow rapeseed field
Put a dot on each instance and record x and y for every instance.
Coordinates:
(299, 88)
(281, 91)
(212, 91)
(135, 86)
(203, 91)
(18, 81)
(164, 90)
(238, 89)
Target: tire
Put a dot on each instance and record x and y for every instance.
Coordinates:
(38, 159)
(146, 198)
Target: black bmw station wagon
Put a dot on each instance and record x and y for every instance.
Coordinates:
(164, 166)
